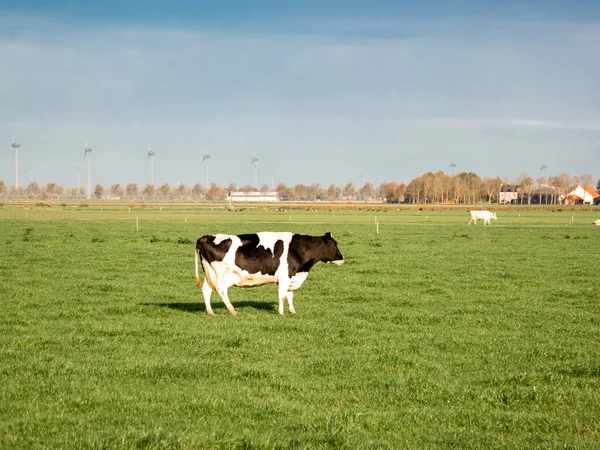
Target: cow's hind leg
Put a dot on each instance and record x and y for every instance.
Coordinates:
(206, 291)
(223, 293)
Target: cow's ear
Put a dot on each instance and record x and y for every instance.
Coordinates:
(327, 237)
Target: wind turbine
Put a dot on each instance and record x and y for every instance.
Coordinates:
(272, 181)
(205, 158)
(16, 146)
(31, 173)
(255, 162)
(543, 169)
(453, 165)
(151, 159)
(87, 154)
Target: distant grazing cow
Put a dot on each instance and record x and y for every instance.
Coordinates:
(596, 222)
(255, 259)
(482, 215)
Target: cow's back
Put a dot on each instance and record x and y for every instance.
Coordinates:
(481, 214)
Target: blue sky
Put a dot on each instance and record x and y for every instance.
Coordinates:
(321, 92)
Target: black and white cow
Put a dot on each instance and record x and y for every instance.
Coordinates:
(254, 259)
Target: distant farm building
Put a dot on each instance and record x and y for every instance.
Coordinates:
(253, 197)
(509, 194)
(585, 195)
(516, 194)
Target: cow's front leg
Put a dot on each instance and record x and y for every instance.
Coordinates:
(283, 293)
(290, 299)
(206, 291)
(223, 293)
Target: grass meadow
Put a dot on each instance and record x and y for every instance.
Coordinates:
(434, 334)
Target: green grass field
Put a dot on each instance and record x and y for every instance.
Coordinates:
(434, 334)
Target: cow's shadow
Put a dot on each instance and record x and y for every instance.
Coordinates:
(201, 308)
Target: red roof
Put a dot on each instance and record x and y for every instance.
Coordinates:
(590, 190)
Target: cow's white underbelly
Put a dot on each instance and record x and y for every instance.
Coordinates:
(225, 275)
(246, 279)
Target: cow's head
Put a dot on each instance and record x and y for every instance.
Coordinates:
(332, 253)
(494, 216)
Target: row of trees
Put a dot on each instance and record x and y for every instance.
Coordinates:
(469, 188)
(438, 187)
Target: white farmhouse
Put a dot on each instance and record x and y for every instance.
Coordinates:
(253, 197)
(508, 194)
(581, 194)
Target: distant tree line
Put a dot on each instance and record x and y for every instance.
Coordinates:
(438, 188)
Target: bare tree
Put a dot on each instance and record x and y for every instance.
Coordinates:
(282, 191)
(314, 192)
(366, 191)
(98, 191)
(33, 190)
(413, 190)
(564, 182)
(392, 192)
(333, 192)
(148, 191)
(116, 191)
(525, 182)
(179, 191)
(132, 190)
(427, 188)
(165, 190)
(216, 192)
(198, 191)
(586, 179)
(50, 190)
(440, 192)
(349, 191)
(471, 186)
(491, 188)
(16, 192)
(298, 192)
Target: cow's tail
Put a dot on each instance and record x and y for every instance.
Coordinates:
(196, 257)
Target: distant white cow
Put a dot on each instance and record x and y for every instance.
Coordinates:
(596, 222)
(482, 215)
